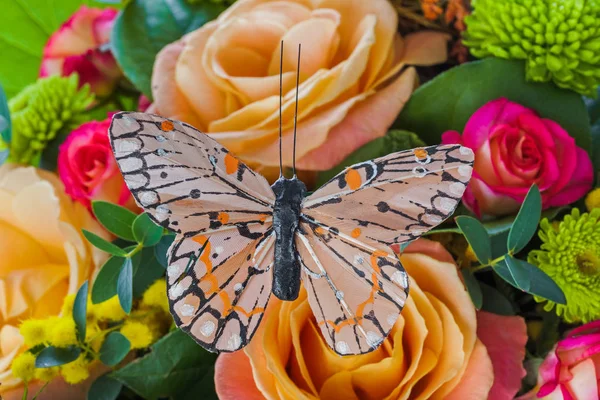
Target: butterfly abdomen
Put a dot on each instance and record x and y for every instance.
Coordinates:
(289, 194)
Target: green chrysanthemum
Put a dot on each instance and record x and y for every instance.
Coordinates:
(559, 39)
(41, 111)
(570, 255)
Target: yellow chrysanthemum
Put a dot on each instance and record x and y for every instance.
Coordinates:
(138, 334)
(46, 374)
(24, 366)
(592, 200)
(156, 295)
(34, 331)
(76, 371)
(94, 336)
(570, 255)
(110, 310)
(64, 332)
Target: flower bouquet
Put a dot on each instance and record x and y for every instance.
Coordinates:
(504, 297)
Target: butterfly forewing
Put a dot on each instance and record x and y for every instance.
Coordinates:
(219, 295)
(186, 181)
(396, 198)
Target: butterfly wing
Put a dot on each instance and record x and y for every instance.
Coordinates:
(184, 179)
(219, 276)
(221, 298)
(356, 286)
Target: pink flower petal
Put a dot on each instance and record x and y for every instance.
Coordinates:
(584, 385)
(506, 347)
(233, 378)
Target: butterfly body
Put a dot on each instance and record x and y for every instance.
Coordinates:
(239, 239)
(289, 194)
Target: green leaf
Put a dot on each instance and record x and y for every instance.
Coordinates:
(54, 356)
(125, 285)
(448, 101)
(494, 301)
(526, 222)
(115, 219)
(395, 140)
(174, 366)
(149, 272)
(105, 284)
(143, 28)
(5, 124)
(26, 27)
(512, 271)
(473, 287)
(477, 237)
(543, 286)
(114, 349)
(104, 388)
(80, 311)
(146, 231)
(103, 245)
(162, 248)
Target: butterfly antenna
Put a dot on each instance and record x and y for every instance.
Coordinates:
(280, 106)
(296, 113)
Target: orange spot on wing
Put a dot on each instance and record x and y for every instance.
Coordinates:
(375, 257)
(319, 231)
(353, 179)
(355, 232)
(263, 217)
(167, 126)
(338, 327)
(420, 153)
(231, 164)
(205, 258)
(223, 217)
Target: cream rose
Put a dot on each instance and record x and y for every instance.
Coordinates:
(44, 254)
(354, 77)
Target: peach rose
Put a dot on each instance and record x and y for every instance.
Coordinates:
(436, 349)
(224, 77)
(44, 254)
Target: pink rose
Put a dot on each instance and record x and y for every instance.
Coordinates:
(87, 167)
(572, 369)
(515, 148)
(79, 46)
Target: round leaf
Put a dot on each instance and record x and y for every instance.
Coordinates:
(54, 356)
(473, 288)
(477, 237)
(512, 271)
(104, 388)
(145, 231)
(105, 284)
(162, 248)
(103, 245)
(448, 101)
(494, 301)
(145, 27)
(5, 124)
(80, 310)
(114, 349)
(526, 222)
(115, 219)
(125, 285)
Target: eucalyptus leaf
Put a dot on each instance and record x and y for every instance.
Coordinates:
(5, 123)
(473, 288)
(115, 219)
(103, 245)
(125, 285)
(543, 286)
(54, 356)
(174, 366)
(105, 284)
(526, 222)
(162, 248)
(494, 301)
(104, 388)
(114, 349)
(512, 271)
(144, 27)
(477, 237)
(530, 279)
(148, 272)
(451, 98)
(80, 311)
(146, 231)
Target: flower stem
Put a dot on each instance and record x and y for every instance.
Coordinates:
(489, 264)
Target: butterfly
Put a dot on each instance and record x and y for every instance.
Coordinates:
(239, 239)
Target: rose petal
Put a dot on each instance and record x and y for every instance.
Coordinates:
(579, 185)
(233, 378)
(477, 378)
(584, 385)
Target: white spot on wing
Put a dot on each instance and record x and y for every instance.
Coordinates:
(126, 147)
(148, 198)
(457, 188)
(234, 342)
(207, 328)
(391, 319)
(465, 170)
(447, 204)
(177, 290)
(173, 271)
(187, 310)
(374, 339)
(342, 347)
(130, 164)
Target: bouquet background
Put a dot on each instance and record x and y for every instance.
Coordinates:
(504, 296)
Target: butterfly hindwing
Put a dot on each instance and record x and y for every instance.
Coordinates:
(218, 291)
(396, 198)
(183, 178)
